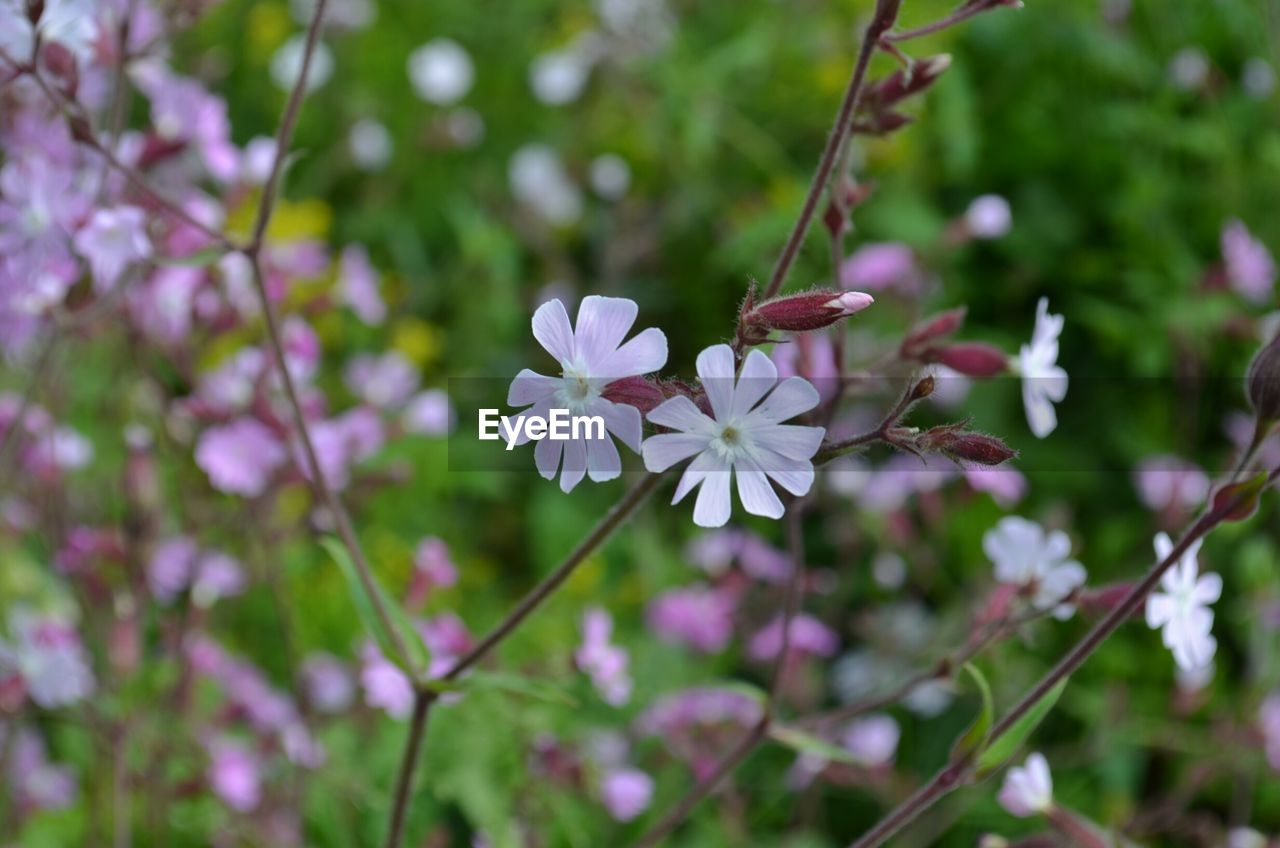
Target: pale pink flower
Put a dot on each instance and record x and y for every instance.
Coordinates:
(235, 775)
(385, 382)
(988, 217)
(591, 357)
(358, 285)
(872, 740)
(328, 683)
(1035, 562)
(386, 687)
(1005, 485)
(429, 413)
(806, 635)
(1168, 482)
(626, 793)
(875, 267)
(746, 437)
(432, 561)
(604, 662)
(1044, 382)
(49, 658)
(1028, 789)
(111, 240)
(700, 617)
(1250, 269)
(1269, 723)
(1181, 609)
(241, 457)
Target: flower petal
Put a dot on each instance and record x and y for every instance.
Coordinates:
(644, 354)
(758, 376)
(1208, 589)
(790, 440)
(546, 456)
(712, 508)
(680, 413)
(621, 419)
(702, 464)
(757, 496)
(552, 330)
(793, 396)
(603, 322)
(530, 387)
(715, 370)
(575, 464)
(1042, 418)
(603, 461)
(666, 449)
(794, 475)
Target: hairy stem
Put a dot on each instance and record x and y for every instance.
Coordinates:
(422, 701)
(886, 13)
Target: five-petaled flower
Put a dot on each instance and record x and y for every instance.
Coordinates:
(591, 357)
(1181, 610)
(1028, 789)
(745, 434)
(1044, 382)
(1027, 557)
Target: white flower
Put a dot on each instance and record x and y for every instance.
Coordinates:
(1028, 789)
(1182, 608)
(441, 71)
(1044, 383)
(1026, 557)
(746, 435)
(559, 77)
(988, 216)
(591, 357)
(71, 23)
(49, 658)
(111, 240)
(610, 176)
(286, 64)
(370, 144)
(539, 180)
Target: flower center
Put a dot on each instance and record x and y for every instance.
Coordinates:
(577, 390)
(732, 441)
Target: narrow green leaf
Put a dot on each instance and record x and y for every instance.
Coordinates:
(1004, 747)
(512, 684)
(199, 259)
(419, 660)
(975, 738)
(803, 742)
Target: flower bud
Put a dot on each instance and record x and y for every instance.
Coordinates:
(885, 93)
(808, 311)
(964, 446)
(1264, 382)
(973, 359)
(35, 10)
(881, 123)
(634, 391)
(922, 336)
(851, 194)
(61, 65)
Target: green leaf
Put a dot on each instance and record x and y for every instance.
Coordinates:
(512, 684)
(419, 659)
(1004, 746)
(803, 742)
(199, 259)
(975, 738)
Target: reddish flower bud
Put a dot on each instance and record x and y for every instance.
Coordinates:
(881, 123)
(1106, 598)
(1239, 501)
(634, 391)
(851, 194)
(807, 311)
(932, 329)
(973, 359)
(885, 93)
(35, 10)
(953, 441)
(1263, 383)
(61, 65)
(922, 389)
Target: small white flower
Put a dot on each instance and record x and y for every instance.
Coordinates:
(988, 216)
(370, 144)
(1181, 610)
(286, 64)
(591, 357)
(559, 77)
(610, 176)
(1028, 789)
(1044, 383)
(746, 435)
(441, 71)
(1027, 557)
(539, 180)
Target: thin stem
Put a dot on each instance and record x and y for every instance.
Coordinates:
(12, 436)
(964, 13)
(790, 603)
(613, 519)
(324, 493)
(422, 701)
(885, 14)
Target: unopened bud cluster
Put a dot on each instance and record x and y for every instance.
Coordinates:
(1263, 383)
(928, 343)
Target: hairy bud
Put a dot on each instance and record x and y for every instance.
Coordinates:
(924, 335)
(35, 11)
(1263, 383)
(850, 195)
(881, 123)
(952, 440)
(61, 65)
(807, 311)
(883, 94)
(973, 359)
(634, 391)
